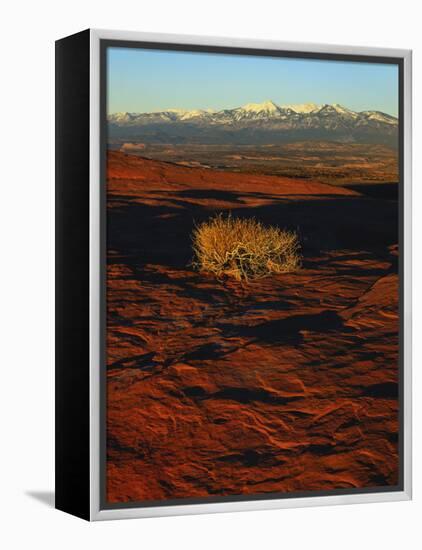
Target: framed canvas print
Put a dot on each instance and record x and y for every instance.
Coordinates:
(233, 275)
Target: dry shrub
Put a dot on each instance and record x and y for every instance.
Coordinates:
(244, 248)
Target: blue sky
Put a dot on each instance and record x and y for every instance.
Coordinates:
(151, 80)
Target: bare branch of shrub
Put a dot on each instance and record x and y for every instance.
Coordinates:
(244, 248)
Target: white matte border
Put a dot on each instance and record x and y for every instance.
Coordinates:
(156, 511)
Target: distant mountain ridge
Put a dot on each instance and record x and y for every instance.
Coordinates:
(257, 123)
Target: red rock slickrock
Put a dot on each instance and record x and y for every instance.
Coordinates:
(218, 388)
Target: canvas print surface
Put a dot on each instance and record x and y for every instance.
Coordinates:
(252, 276)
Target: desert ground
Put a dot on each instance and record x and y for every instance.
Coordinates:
(324, 161)
(221, 388)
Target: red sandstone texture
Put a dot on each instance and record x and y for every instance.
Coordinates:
(217, 388)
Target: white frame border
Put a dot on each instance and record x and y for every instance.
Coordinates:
(96, 513)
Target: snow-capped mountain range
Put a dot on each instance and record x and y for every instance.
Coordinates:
(256, 123)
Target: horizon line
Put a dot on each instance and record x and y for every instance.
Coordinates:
(279, 105)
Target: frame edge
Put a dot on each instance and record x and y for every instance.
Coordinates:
(96, 513)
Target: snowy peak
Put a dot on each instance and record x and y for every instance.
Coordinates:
(266, 107)
(122, 117)
(301, 108)
(343, 110)
(340, 109)
(186, 115)
(378, 116)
